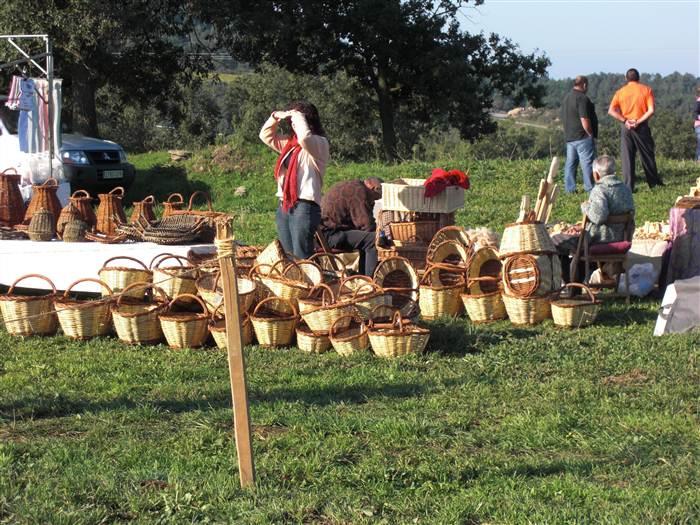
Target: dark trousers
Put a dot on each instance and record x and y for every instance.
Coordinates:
(355, 240)
(296, 228)
(631, 141)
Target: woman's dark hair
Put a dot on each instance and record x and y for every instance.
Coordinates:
(311, 115)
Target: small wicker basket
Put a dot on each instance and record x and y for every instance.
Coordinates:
(74, 231)
(68, 214)
(274, 320)
(484, 263)
(439, 300)
(136, 322)
(310, 342)
(217, 327)
(417, 231)
(26, 315)
(397, 338)
(174, 280)
(185, 329)
(525, 237)
(281, 286)
(84, 319)
(484, 307)
(174, 202)
(42, 227)
(119, 278)
(110, 212)
(83, 203)
(144, 210)
(575, 312)
(351, 338)
(321, 314)
(524, 311)
(364, 294)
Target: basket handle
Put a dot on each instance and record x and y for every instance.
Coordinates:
(103, 284)
(8, 170)
(254, 270)
(200, 192)
(164, 257)
(145, 286)
(273, 268)
(326, 292)
(178, 195)
(53, 183)
(342, 267)
(267, 300)
(367, 282)
(42, 277)
(582, 287)
(363, 327)
(149, 200)
(189, 296)
(126, 257)
(397, 321)
(79, 194)
(117, 189)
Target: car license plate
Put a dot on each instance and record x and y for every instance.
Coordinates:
(112, 174)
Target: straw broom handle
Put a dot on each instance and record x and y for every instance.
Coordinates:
(524, 208)
(553, 170)
(540, 197)
(550, 204)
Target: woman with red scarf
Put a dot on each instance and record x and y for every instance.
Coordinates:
(299, 173)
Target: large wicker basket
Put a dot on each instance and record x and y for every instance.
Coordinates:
(83, 202)
(436, 299)
(136, 322)
(26, 315)
(409, 195)
(274, 320)
(217, 327)
(44, 196)
(119, 278)
(84, 319)
(398, 278)
(12, 206)
(185, 329)
(575, 312)
(525, 311)
(174, 280)
(525, 237)
(397, 338)
(110, 212)
(351, 338)
(484, 307)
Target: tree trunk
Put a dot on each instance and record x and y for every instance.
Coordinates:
(386, 115)
(84, 111)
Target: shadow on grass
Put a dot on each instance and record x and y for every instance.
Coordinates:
(357, 394)
(459, 338)
(533, 469)
(617, 313)
(162, 180)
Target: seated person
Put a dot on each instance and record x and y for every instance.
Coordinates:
(609, 196)
(347, 219)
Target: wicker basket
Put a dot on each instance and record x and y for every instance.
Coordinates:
(397, 338)
(26, 315)
(450, 233)
(305, 271)
(333, 268)
(272, 253)
(208, 232)
(439, 300)
(416, 231)
(413, 252)
(321, 315)
(217, 328)
(525, 275)
(484, 307)
(42, 227)
(83, 202)
(449, 252)
(185, 329)
(84, 319)
(12, 207)
(274, 320)
(144, 210)
(397, 277)
(110, 212)
(310, 342)
(525, 237)
(524, 311)
(281, 286)
(484, 263)
(210, 290)
(174, 202)
(136, 322)
(68, 214)
(349, 336)
(364, 294)
(409, 195)
(173, 280)
(575, 312)
(74, 231)
(44, 196)
(118, 278)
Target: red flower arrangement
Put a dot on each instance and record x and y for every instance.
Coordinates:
(441, 179)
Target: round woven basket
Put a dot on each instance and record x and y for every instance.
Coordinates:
(42, 226)
(26, 315)
(217, 328)
(68, 214)
(351, 338)
(185, 329)
(524, 311)
(397, 277)
(439, 300)
(484, 307)
(274, 320)
(74, 231)
(575, 312)
(484, 263)
(525, 237)
(119, 278)
(332, 266)
(397, 338)
(174, 280)
(525, 275)
(310, 342)
(319, 316)
(209, 289)
(136, 321)
(364, 294)
(84, 319)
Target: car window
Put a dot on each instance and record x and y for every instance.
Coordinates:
(9, 117)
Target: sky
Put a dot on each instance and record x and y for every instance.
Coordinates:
(594, 36)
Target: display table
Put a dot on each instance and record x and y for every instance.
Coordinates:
(685, 252)
(65, 263)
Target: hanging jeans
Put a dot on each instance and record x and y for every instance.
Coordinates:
(28, 130)
(297, 228)
(584, 151)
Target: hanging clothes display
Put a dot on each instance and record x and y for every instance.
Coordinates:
(12, 101)
(28, 113)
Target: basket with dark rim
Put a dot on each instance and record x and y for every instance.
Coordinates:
(208, 230)
(414, 231)
(12, 206)
(525, 275)
(575, 312)
(525, 311)
(209, 288)
(525, 237)
(274, 321)
(26, 315)
(397, 338)
(364, 294)
(174, 202)
(484, 306)
(110, 212)
(450, 233)
(217, 327)
(310, 342)
(85, 318)
(349, 338)
(484, 263)
(118, 278)
(185, 329)
(136, 321)
(440, 300)
(321, 314)
(332, 267)
(397, 277)
(174, 280)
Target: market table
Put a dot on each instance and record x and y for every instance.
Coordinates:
(64, 262)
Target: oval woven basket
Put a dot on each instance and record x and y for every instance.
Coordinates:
(484, 307)
(524, 311)
(84, 319)
(310, 342)
(436, 299)
(396, 273)
(525, 237)
(174, 280)
(217, 328)
(26, 315)
(185, 329)
(484, 263)
(525, 275)
(119, 278)
(136, 321)
(274, 321)
(397, 338)
(351, 338)
(321, 315)
(575, 312)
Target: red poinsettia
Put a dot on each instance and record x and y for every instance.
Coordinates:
(441, 179)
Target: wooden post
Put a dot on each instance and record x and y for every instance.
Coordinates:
(236, 363)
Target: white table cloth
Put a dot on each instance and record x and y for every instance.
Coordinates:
(64, 262)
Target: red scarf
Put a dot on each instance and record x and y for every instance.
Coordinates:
(289, 184)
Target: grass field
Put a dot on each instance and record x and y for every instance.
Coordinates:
(493, 424)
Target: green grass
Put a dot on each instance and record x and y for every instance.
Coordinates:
(493, 424)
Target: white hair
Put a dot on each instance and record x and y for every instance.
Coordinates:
(604, 165)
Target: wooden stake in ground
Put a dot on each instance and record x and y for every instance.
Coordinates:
(226, 252)
(547, 194)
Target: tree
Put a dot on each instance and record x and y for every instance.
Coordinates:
(422, 69)
(133, 46)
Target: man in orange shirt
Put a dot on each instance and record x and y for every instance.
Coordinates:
(633, 105)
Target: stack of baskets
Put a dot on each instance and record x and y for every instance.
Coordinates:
(531, 272)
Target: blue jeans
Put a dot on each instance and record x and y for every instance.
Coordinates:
(583, 150)
(697, 146)
(296, 228)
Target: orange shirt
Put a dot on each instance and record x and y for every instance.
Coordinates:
(633, 99)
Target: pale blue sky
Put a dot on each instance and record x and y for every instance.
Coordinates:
(592, 36)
